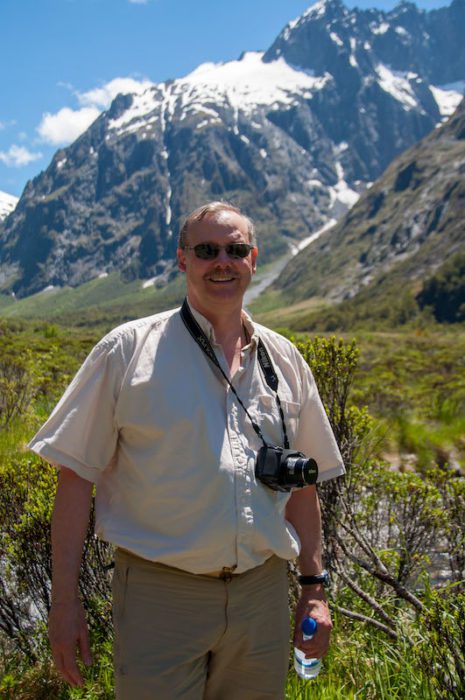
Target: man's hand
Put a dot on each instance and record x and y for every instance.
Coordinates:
(312, 603)
(68, 635)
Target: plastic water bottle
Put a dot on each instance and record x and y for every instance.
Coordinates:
(307, 668)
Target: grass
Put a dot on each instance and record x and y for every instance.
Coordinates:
(270, 311)
(102, 301)
(365, 666)
(15, 438)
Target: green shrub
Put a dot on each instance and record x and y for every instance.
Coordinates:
(444, 293)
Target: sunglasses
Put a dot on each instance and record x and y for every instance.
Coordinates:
(210, 251)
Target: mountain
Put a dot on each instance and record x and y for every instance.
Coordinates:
(7, 204)
(406, 228)
(385, 71)
(293, 135)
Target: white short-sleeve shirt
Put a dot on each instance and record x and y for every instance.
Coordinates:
(156, 427)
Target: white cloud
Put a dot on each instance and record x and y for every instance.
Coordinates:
(138, 2)
(103, 96)
(18, 156)
(65, 126)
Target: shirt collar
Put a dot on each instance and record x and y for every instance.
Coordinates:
(250, 328)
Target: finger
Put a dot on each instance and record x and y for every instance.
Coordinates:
(84, 646)
(316, 649)
(73, 676)
(66, 665)
(318, 643)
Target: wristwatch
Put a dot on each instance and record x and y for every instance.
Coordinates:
(322, 578)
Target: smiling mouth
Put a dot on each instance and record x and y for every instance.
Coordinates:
(221, 280)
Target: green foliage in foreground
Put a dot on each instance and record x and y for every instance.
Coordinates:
(398, 634)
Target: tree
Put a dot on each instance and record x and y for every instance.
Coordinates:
(444, 293)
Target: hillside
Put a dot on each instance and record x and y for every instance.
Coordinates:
(405, 227)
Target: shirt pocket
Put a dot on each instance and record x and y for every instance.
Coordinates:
(269, 419)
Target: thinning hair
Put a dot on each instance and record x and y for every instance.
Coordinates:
(213, 208)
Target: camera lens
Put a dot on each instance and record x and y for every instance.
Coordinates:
(301, 471)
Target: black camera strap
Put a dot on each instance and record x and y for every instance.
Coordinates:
(263, 358)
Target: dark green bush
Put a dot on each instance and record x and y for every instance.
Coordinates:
(444, 293)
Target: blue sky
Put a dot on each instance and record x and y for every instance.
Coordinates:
(63, 60)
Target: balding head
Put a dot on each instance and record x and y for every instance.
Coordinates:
(213, 209)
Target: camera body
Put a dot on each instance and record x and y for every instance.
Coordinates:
(284, 470)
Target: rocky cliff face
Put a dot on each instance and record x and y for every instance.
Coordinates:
(292, 135)
(384, 68)
(399, 232)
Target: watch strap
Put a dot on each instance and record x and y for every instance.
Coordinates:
(322, 578)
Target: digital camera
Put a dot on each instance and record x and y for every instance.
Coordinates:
(283, 470)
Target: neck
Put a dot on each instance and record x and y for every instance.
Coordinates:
(227, 324)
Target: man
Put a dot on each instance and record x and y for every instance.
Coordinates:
(200, 586)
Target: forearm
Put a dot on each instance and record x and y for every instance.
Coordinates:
(303, 512)
(69, 527)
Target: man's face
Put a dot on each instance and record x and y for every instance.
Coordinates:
(217, 285)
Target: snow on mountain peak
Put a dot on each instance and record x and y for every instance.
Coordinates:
(142, 105)
(249, 81)
(320, 8)
(245, 84)
(7, 203)
(316, 10)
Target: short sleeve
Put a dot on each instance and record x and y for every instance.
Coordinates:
(81, 432)
(315, 437)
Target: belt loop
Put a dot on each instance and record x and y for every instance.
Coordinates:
(227, 573)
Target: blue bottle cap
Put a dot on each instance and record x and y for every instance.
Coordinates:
(309, 626)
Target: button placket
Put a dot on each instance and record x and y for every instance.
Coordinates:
(241, 477)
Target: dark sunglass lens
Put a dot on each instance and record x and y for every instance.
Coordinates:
(209, 251)
(238, 250)
(206, 251)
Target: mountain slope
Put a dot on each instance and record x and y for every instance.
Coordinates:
(398, 234)
(292, 135)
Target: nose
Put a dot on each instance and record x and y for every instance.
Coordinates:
(222, 258)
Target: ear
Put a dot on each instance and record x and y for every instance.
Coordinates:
(181, 259)
(254, 259)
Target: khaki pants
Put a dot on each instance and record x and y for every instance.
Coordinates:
(183, 636)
